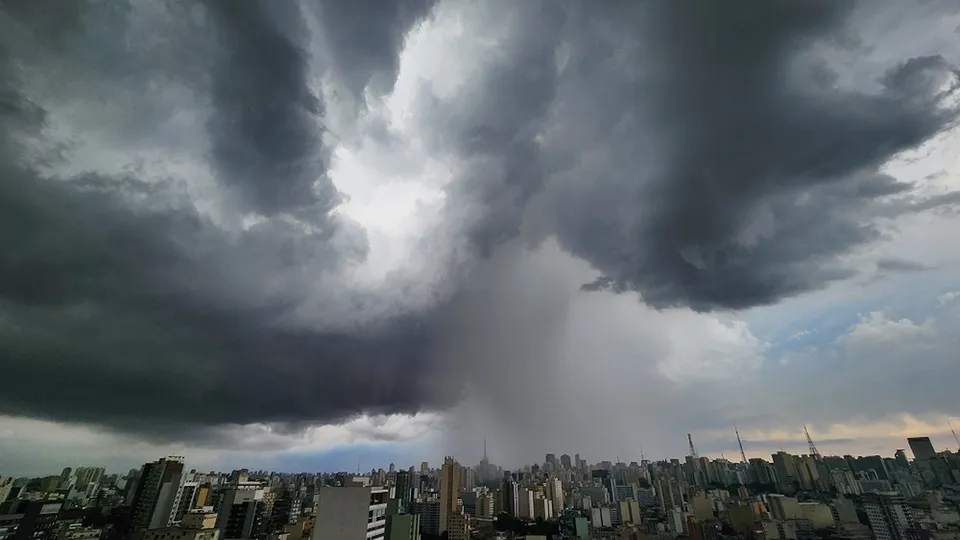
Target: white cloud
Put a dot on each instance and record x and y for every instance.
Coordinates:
(947, 298)
(875, 332)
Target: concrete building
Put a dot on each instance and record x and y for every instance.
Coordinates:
(154, 498)
(922, 448)
(351, 513)
(600, 517)
(783, 508)
(197, 525)
(240, 514)
(524, 503)
(555, 492)
(786, 468)
(485, 506)
(890, 517)
(630, 512)
(402, 527)
(429, 512)
(450, 476)
(542, 508)
(6, 485)
(510, 497)
(34, 520)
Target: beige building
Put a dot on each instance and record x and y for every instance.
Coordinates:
(449, 490)
(194, 526)
(783, 508)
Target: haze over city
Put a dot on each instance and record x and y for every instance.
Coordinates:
(295, 236)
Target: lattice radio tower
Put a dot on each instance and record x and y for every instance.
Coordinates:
(812, 447)
(693, 450)
(743, 455)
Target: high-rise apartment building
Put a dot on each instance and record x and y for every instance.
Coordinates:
(403, 527)
(183, 503)
(525, 502)
(468, 478)
(449, 491)
(404, 489)
(510, 496)
(351, 513)
(156, 493)
(241, 511)
(922, 448)
(890, 517)
(786, 468)
(555, 493)
(429, 512)
(196, 525)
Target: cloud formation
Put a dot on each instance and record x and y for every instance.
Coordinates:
(177, 256)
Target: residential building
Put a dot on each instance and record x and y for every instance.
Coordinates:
(890, 517)
(351, 513)
(450, 477)
(922, 448)
(240, 514)
(402, 527)
(195, 525)
(156, 492)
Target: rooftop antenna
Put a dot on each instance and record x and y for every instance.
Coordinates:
(358, 467)
(641, 454)
(484, 448)
(743, 455)
(811, 447)
(954, 435)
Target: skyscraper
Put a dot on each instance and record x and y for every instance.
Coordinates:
(241, 511)
(404, 489)
(449, 490)
(890, 517)
(510, 495)
(156, 492)
(922, 448)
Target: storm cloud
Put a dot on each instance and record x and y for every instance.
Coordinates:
(708, 156)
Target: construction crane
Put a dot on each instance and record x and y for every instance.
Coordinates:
(693, 450)
(812, 447)
(954, 435)
(743, 455)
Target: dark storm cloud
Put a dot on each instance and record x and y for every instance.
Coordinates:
(890, 264)
(683, 152)
(265, 128)
(142, 314)
(149, 300)
(724, 175)
(363, 37)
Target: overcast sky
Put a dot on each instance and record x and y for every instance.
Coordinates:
(309, 235)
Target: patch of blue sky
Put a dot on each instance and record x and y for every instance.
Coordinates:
(348, 458)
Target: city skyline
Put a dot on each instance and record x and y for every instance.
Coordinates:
(547, 224)
(362, 459)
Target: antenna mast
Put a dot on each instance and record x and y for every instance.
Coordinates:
(641, 454)
(743, 455)
(812, 447)
(954, 435)
(693, 451)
